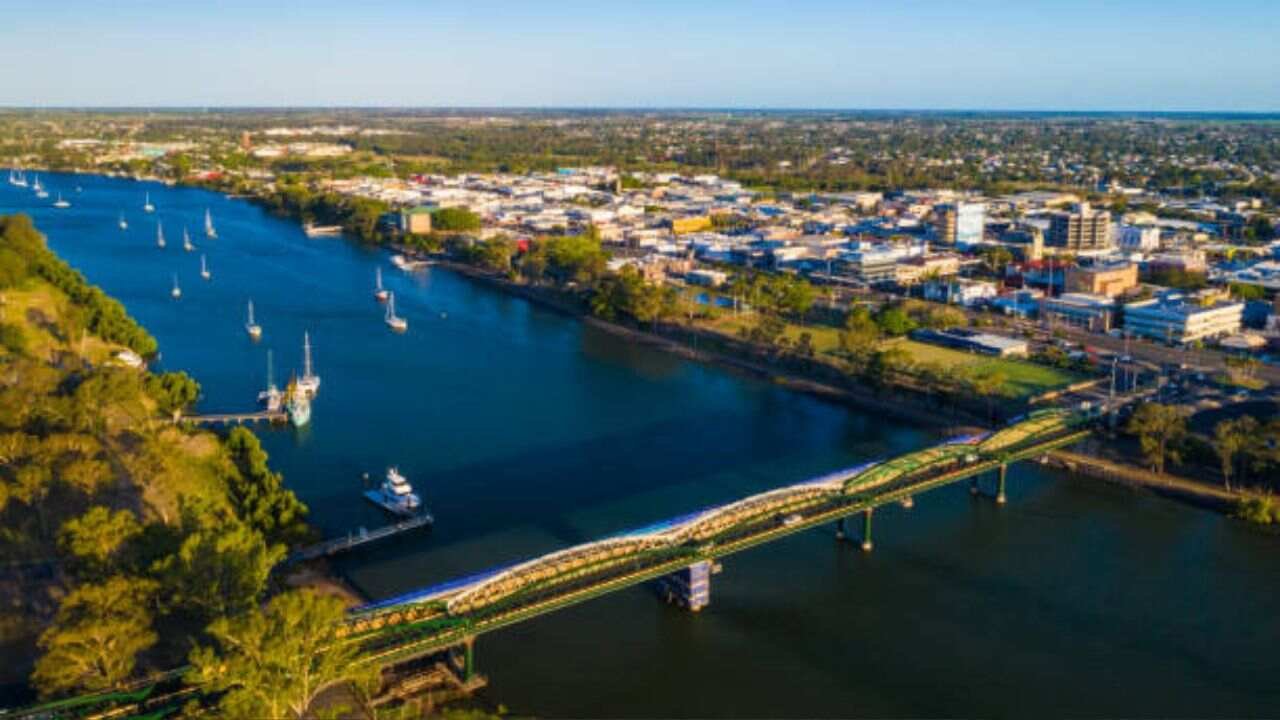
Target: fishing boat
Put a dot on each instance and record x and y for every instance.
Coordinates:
(40, 191)
(251, 327)
(271, 398)
(159, 235)
(298, 404)
(395, 322)
(186, 241)
(176, 292)
(147, 206)
(60, 203)
(124, 225)
(380, 293)
(204, 269)
(209, 231)
(309, 383)
(395, 495)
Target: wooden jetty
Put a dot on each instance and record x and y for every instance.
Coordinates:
(359, 537)
(271, 416)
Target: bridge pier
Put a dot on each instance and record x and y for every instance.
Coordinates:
(1000, 497)
(908, 502)
(689, 588)
(468, 659)
(866, 530)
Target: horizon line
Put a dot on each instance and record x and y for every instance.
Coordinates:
(640, 108)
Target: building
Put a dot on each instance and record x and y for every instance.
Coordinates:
(1019, 303)
(1138, 238)
(416, 220)
(973, 341)
(1176, 318)
(1099, 278)
(960, 291)
(913, 270)
(1082, 229)
(1085, 310)
(960, 223)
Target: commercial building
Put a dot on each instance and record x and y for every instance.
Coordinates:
(417, 220)
(960, 291)
(1092, 312)
(960, 223)
(1138, 238)
(973, 341)
(1082, 229)
(1177, 318)
(1101, 278)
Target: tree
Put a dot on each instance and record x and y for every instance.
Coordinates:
(98, 535)
(1232, 439)
(454, 219)
(172, 391)
(259, 495)
(988, 385)
(273, 663)
(861, 333)
(1159, 429)
(95, 639)
(894, 321)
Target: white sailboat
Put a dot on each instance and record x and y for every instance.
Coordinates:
(186, 241)
(204, 269)
(252, 327)
(122, 223)
(21, 179)
(395, 322)
(271, 397)
(177, 291)
(159, 235)
(40, 191)
(209, 230)
(60, 203)
(379, 292)
(147, 206)
(309, 383)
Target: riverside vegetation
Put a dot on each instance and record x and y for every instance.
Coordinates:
(131, 545)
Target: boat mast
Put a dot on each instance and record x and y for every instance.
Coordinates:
(306, 355)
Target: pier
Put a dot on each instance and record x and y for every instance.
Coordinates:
(271, 416)
(358, 538)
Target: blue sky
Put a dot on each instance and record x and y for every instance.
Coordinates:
(983, 54)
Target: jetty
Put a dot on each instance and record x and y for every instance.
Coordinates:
(359, 537)
(271, 416)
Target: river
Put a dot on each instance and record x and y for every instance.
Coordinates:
(526, 431)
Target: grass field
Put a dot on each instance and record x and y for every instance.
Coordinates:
(1024, 378)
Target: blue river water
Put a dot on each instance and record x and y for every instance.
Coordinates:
(526, 431)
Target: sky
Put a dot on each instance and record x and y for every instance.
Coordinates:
(1143, 55)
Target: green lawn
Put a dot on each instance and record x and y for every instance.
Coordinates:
(1024, 378)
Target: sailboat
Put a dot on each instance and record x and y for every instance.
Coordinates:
(379, 292)
(298, 404)
(159, 235)
(40, 191)
(21, 180)
(177, 291)
(209, 230)
(186, 241)
(204, 269)
(309, 383)
(123, 224)
(395, 322)
(60, 203)
(251, 327)
(147, 206)
(271, 396)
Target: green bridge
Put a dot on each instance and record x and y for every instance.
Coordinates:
(677, 552)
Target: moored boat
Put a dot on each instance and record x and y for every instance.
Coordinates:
(395, 495)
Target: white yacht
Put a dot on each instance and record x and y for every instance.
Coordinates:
(204, 269)
(177, 291)
(395, 495)
(407, 264)
(309, 383)
(251, 327)
(209, 231)
(159, 235)
(186, 241)
(147, 206)
(380, 293)
(394, 321)
(60, 203)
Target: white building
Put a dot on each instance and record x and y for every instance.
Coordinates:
(1138, 238)
(1177, 318)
